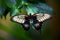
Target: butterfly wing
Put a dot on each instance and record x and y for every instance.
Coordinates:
(42, 17)
(19, 19)
(37, 22)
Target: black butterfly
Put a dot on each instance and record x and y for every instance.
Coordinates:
(26, 20)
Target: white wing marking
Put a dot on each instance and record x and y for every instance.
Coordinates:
(42, 17)
(19, 18)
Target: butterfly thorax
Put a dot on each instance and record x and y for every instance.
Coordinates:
(31, 17)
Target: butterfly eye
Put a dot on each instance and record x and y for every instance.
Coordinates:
(34, 15)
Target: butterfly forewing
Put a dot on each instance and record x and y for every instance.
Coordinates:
(19, 18)
(42, 17)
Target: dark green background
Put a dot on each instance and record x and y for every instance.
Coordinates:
(14, 31)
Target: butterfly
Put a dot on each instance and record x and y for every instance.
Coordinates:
(26, 20)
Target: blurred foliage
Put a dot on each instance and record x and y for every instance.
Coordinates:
(10, 6)
(2, 38)
(16, 30)
(36, 1)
